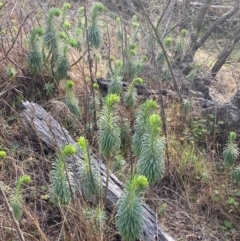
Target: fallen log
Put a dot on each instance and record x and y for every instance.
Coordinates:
(47, 130)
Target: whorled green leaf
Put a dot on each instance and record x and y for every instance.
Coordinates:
(94, 35)
(63, 66)
(60, 190)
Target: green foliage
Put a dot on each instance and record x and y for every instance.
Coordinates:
(231, 150)
(16, 199)
(186, 105)
(166, 74)
(71, 100)
(11, 72)
(89, 175)
(68, 150)
(49, 87)
(34, 57)
(183, 33)
(151, 158)
(119, 29)
(129, 217)
(236, 173)
(228, 226)
(60, 173)
(161, 57)
(115, 86)
(109, 131)
(3, 154)
(130, 96)
(94, 33)
(181, 42)
(96, 218)
(193, 72)
(168, 42)
(65, 8)
(63, 65)
(118, 163)
(163, 209)
(50, 36)
(146, 109)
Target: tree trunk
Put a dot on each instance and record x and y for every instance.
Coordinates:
(226, 52)
(197, 44)
(198, 22)
(48, 132)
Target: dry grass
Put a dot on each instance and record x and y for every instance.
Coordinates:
(194, 189)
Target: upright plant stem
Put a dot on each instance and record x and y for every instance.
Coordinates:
(107, 180)
(90, 69)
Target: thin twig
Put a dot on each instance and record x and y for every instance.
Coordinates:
(10, 212)
(164, 51)
(79, 59)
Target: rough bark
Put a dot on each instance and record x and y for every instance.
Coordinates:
(48, 132)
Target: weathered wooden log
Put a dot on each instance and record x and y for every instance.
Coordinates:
(48, 131)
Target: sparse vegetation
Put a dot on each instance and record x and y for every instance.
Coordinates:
(136, 123)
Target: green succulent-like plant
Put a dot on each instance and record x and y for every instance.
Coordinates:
(141, 123)
(50, 35)
(194, 71)
(16, 199)
(96, 217)
(65, 8)
(161, 57)
(109, 131)
(115, 85)
(89, 175)
(181, 42)
(61, 177)
(3, 154)
(34, 57)
(118, 163)
(236, 173)
(151, 158)
(168, 42)
(62, 65)
(129, 217)
(231, 150)
(71, 100)
(119, 29)
(94, 30)
(11, 72)
(130, 96)
(166, 75)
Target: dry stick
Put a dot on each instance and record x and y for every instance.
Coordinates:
(10, 212)
(162, 107)
(19, 30)
(164, 51)
(109, 49)
(79, 59)
(125, 42)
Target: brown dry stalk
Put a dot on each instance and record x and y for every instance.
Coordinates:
(10, 212)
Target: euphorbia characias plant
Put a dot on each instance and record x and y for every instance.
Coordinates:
(109, 131)
(129, 217)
